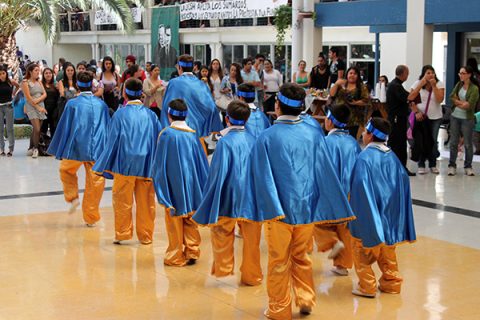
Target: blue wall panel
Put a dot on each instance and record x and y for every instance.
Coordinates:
(361, 13)
(450, 11)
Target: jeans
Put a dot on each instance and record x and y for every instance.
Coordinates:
(6, 111)
(466, 128)
(434, 126)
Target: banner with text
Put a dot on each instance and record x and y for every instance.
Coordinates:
(103, 17)
(229, 9)
(165, 39)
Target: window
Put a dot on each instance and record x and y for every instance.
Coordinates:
(362, 51)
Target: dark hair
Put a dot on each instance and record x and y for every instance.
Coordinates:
(132, 70)
(382, 125)
(43, 77)
(85, 77)
(93, 62)
(238, 110)
(179, 105)
(386, 79)
(400, 70)
(61, 62)
(341, 112)
(153, 66)
(29, 69)
(322, 55)
(210, 69)
(472, 62)
(425, 68)
(186, 58)
(259, 56)
(82, 63)
(473, 80)
(246, 60)
(209, 84)
(104, 69)
(74, 77)
(92, 69)
(335, 50)
(247, 87)
(133, 84)
(238, 69)
(295, 92)
(5, 69)
(358, 83)
(197, 64)
(148, 62)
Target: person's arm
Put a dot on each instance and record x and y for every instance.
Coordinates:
(43, 96)
(147, 89)
(28, 97)
(309, 81)
(472, 98)
(454, 97)
(61, 88)
(294, 77)
(416, 90)
(16, 85)
(100, 90)
(439, 93)
(336, 87)
(363, 101)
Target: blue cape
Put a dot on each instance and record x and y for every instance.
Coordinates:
(226, 179)
(203, 116)
(344, 150)
(180, 172)
(257, 122)
(381, 200)
(308, 119)
(292, 178)
(82, 130)
(131, 143)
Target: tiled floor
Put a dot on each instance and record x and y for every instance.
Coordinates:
(53, 267)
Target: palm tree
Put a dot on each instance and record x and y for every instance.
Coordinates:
(16, 14)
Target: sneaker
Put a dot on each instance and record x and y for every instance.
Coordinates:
(2, 153)
(117, 242)
(339, 246)
(359, 293)
(91, 225)
(422, 170)
(305, 310)
(35, 153)
(469, 172)
(340, 271)
(191, 262)
(10, 154)
(73, 206)
(452, 171)
(29, 152)
(434, 170)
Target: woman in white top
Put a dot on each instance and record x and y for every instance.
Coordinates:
(431, 92)
(272, 81)
(154, 89)
(110, 79)
(215, 75)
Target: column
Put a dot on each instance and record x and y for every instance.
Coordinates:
(419, 39)
(312, 37)
(93, 50)
(297, 36)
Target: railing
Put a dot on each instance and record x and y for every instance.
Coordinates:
(75, 21)
(268, 21)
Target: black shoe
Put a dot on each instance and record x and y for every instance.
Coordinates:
(410, 173)
(191, 262)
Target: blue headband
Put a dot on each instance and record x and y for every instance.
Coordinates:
(289, 102)
(84, 84)
(133, 93)
(245, 94)
(377, 133)
(177, 113)
(184, 64)
(335, 121)
(235, 122)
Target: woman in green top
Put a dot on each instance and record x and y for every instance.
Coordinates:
(301, 77)
(464, 98)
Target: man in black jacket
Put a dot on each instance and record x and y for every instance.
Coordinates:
(398, 111)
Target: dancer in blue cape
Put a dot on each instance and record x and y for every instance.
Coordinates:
(128, 157)
(203, 116)
(221, 205)
(381, 200)
(258, 121)
(344, 150)
(180, 173)
(79, 139)
(294, 185)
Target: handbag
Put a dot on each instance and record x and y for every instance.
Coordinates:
(223, 101)
(412, 118)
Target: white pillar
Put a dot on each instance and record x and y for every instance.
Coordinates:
(312, 37)
(297, 37)
(93, 50)
(219, 53)
(419, 39)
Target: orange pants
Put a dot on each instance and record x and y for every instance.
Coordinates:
(386, 259)
(223, 236)
(183, 240)
(124, 189)
(327, 236)
(94, 186)
(289, 266)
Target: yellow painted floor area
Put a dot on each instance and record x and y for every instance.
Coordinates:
(53, 267)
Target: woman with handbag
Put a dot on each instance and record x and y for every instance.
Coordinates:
(429, 93)
(229, 86)
(154, 89)
(8, 88)
(464, 98)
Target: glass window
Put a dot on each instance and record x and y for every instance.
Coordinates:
(265, 50)
(199, 53)
(280, 59)
(252, 51)
(121, 52)
(238, 54)
(227, 55)
(362, 51)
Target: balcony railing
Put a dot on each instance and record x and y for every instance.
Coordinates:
(75, 21)
(227, 23)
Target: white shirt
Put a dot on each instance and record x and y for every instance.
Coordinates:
(225, 131)
(252, 106)
(434, 108)
(379, 145)
(180, 125)
(272, 81)
(288, 118)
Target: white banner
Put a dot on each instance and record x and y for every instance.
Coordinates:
(229, 9)
(103, 17)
